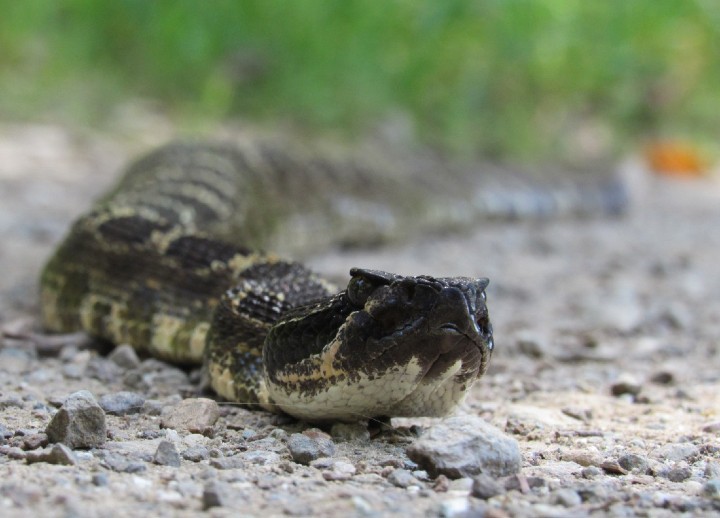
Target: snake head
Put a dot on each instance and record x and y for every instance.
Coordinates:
(436, 321)
(398, 346)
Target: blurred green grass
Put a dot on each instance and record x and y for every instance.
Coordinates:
(506, 78)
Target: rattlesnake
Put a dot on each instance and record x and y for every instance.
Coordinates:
(172, 261)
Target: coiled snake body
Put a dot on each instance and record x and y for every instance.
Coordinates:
(171, 263)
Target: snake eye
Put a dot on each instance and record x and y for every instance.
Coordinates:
(359, 290)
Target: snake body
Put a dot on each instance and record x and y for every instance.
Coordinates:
(172, 262)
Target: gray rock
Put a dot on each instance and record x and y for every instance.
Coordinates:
(350, 432)
(306, 447)
(102, 369)
(678, 473)
(484, 487)
(195, 415)
(712, 470)
(279, 434)
(73, 371)
(122, 403)
(566, 497)
(402, 478)
(595, 494)
(56, 454)
(248, 433)
(14, 452)
(676, 451)
(196, 453)
(100, 479)
(167, 455)
(80, 422)
(260, 457)
(711, 489)
(34, 441)
(124, 356)
(454, 507)
(214, 494)
(227, 462)
(339, 470)
(465, 446)
(521, 483)
(633, 462)
(4, 432)
(121, 464)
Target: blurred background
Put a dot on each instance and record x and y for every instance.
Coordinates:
(506, 79)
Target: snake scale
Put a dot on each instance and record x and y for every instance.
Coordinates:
(172, 261)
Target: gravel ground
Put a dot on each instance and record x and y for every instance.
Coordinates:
(605, 374)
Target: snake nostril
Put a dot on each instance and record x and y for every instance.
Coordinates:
(451, 328)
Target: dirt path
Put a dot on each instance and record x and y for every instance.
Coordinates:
(606, 370)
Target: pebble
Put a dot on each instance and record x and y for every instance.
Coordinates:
(523, 483)
(34, 441)
(625, 385)
(124, 356)
(582, 457)
(120, 464)
(167, 455)
(227, 462)
(350, 432)
(566, 497)
(581, 414)
(122, 403)
(678, 473)
(633, 462)
(102, 369)
(196, 453)
(15, 452)
(663, 378)
(248, 433)
(339, 470)
(305, 448)
(194, 415)
(712, 469)
(676, 451)
(453, 507)
(485, 487)
(80, 422)
(100, 479)
(461, 485)
(260, 457)
(465, 446)
(214, 494)
(594, 494)
(712, 427)
(73, 371)
(711, 489)
(402, 478)
(56, 454)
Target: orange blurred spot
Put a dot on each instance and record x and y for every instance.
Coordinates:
(675, 159)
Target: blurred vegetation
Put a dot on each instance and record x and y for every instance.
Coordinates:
(519, 78)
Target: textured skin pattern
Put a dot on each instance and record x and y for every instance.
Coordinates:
(171, 263)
